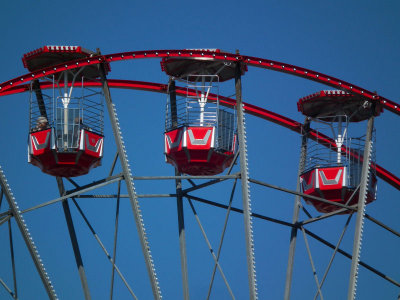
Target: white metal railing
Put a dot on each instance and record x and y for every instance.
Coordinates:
(66, 113)
(196, 109)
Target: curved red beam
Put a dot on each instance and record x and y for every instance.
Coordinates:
(229, 57)
(225, 101)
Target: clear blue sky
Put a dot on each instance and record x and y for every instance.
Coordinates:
(358, 42)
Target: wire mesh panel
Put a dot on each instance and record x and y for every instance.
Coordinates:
(356, 159)
(194, 108)
(92, 105)
(67, 115)
(226, 130)
(200, 107)
(323, 154)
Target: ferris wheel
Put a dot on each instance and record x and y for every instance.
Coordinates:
(205, 143)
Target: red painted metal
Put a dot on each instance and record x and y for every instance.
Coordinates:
(251, 109)
(49, 56)
(191, 151)
(229, 57)
(330, 184)
(44, 154)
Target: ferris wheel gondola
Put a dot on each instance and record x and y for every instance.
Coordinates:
(200, 136)
(333, 171)
(66, 127)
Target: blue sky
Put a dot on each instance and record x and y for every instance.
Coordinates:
(356, 42)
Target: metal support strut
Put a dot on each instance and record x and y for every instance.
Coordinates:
(74, 240)
(179, 200)
(129, 185)
(361, 210)
(297, 204)
(27, 237)
(245, 186)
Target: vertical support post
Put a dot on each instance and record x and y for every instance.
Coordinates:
(39, 97)
(296, 210)
(361, 210)
(245, 186)
(115, 239)
(172, 102)
(74, 240)
(129, 184)
(65, 101)
(339, 140)
(179, 200)
(182, 239)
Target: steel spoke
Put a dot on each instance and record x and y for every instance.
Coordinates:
(222, 238)
(115, 240)
(211, 249)
(12, 259)
(312, 263)
(333, 254)
(103, 248)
